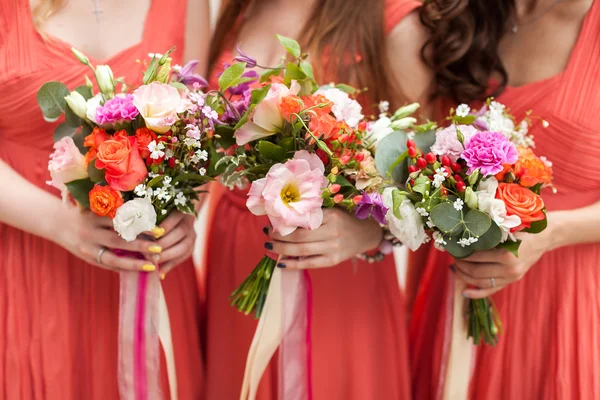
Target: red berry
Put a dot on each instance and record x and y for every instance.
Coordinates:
(345, 159)
(357, 199)
(444, 191)
(412, 168)
(448, 170)
(171, 162)
(421, 163)
(338, 198)
(455, 167)
(460, 186)
(412, 152)
(359, 157)
(458, 178)
(334, 188)
(446, 161)
(431, 158)
(412, 182)
(411, 143)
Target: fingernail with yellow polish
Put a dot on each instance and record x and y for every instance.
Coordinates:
(148, 267)
(158, 232)
(155, 249)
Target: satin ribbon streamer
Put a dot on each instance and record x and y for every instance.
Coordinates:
(143, 322)
(285, 323)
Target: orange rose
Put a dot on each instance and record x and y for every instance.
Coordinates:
(144, 136)
(104, 201)
(531, 170)
(96, 138)
(90, 155)
(521, 202)
(124, 167)
(289, 105)
(502, 174)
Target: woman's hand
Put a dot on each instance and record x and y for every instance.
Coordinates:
(176, 240)
(91, 238)
(340, 237)
(492, 270)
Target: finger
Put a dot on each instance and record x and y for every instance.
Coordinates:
(499, 256)
(481, 293)
(180, 250)
(109, 260)
(301, 235)
(298, 249)
(481, 270)
(307, 263)
(109, 238)
(483, 283)
(174, 237)
(169, 266)
(172, 221)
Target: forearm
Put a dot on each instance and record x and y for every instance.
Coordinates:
(27, 207)
(573, 227)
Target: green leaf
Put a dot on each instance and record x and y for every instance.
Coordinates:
(51, 99)
(80, 190)
(477, 222)
(346, 88)
(488, 240)
(268, 73)
(71, 118)
(511, 247)
(328, 202)
(422, 185)
(271, 151)
(197, 178)
(226, 139)
(85, 91)
(64, 130)
(342, 181)
(178, 86)
(293, 73)
(96, 175)
(537, 226)
(231, 76)
(307, 68)
(397, 199)
(288, 143)
(447, 218)
(258, 95)
(155, 181)
(290, 45)
(468, 120)
(456, 250)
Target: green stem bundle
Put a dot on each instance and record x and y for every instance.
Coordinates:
(483, 321)
(251, 295)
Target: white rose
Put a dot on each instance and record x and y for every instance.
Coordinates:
(76, 103)
(158, 104)
(495, 208)
(134, 217)
(379, 129)
(344, 108)
(91, 106)
(409, 230)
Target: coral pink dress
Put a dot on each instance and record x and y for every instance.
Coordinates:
(551, 345)
(359, 348)
(58, 315)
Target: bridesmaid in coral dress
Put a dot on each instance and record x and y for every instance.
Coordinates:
(359, 327)
(59, 304)
(548, 298)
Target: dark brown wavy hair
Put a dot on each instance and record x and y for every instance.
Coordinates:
(462, 49)
(338, 29)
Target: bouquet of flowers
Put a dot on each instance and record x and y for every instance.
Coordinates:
(301, 147)
(471, 189)
(132, 157)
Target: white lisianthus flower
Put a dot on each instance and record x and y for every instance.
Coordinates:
(77, 103)
(134, 217)
(495, 208)
(91, 106)
(409, 230)
(378, 130)
(344, 108)
(403, 123)
(106, 80)
(406, 110)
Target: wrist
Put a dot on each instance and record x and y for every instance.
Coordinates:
(557, 232)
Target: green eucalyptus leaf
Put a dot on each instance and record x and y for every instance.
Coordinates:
(511, 247)
(96, 175)
(51, 99)
(447, 218)
(71, 118)
(64, 130)
(477, 222)
(292, 46)
(80, 190)
(455, 249)
(231, 76)
(489, 239)
(85, 91)
(271, 151)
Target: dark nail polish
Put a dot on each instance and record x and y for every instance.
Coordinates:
(269, 246)
(281, 265)
(452, 268)
(266, 230)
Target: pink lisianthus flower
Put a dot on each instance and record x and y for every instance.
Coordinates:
(447, 143)
(290, 194)
(268, 118)
(66, 164)
(488, 152)
(116, 110)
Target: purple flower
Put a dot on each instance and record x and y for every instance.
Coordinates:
(243, 57)
(241, 105)
(371, 205)
(488, 151)
(242, 87)
(117, 109)
(186, 75)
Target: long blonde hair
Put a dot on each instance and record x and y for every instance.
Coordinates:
(44, 9)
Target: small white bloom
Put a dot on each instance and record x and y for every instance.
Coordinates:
(152, 175)
(197, 98)
(438, 237)
(209, 113)
(191, 142)
(166, 182)
(161, 194)
(422, 212)
(410, 135)
(155, 55)
(163, 212)
(168, 154)
(156, 150)
(430, 223)
(463, 110)
(545, 123)
(134, 217)
(140, 190)
(202, 171)
(439, 177)
(193, 131)
(458, 204)
(202, 155)
(180, 199)
(176, 68)
(384, 106)
(409, 230)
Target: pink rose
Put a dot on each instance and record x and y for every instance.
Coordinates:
(291, 194)
(447, 143)
(66, 164)
(158, 104)
(268, 117)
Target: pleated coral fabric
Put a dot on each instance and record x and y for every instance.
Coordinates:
(359, 337)
(551, 317)
(58, 315)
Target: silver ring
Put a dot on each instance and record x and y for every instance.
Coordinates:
(99, 256)
(493, 282)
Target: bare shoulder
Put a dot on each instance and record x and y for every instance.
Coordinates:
(197, 33)
(404, 44)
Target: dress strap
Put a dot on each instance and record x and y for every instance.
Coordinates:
(396, 10)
